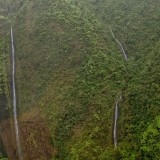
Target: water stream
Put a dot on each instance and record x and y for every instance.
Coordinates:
(115, 122)
(15, 99)
(116, 106)
(119, 43)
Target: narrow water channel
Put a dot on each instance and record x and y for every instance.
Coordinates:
(19, 150)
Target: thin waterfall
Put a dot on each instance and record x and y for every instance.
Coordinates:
(115, 122)
(116, 106)
(119, 43)
(19, 150)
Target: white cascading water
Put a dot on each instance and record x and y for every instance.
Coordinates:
(116, 106)
(115, 122)
(119, 43)
(15, 99)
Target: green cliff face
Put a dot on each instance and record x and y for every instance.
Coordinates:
(70, 67)
(4, 111)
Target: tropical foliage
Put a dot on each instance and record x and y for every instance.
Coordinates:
(69, 65)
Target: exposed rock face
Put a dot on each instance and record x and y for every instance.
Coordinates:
(34, 136)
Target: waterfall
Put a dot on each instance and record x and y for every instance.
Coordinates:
(115, 122)
(15, 99)
(116, 106)
(119, 43)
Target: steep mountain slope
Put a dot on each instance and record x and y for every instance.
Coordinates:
(136, 24)
(4, 106)
(64, 57)
(70, 67)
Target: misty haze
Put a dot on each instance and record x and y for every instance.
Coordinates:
(79, 79)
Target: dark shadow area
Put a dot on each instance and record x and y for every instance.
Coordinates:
(4, 113)
(2, 149)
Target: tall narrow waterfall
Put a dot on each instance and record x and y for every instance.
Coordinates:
(115, 123)
(120, 45)
(15, 99)
(116, 106)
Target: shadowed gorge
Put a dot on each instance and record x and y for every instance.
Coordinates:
(87, 80)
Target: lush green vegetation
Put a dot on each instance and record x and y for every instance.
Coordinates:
(69, 65)
(136, 24)
(3, 81)
(2, 66)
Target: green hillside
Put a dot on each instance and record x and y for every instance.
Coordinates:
(70, 67)
(136, 25)
(4, 111)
